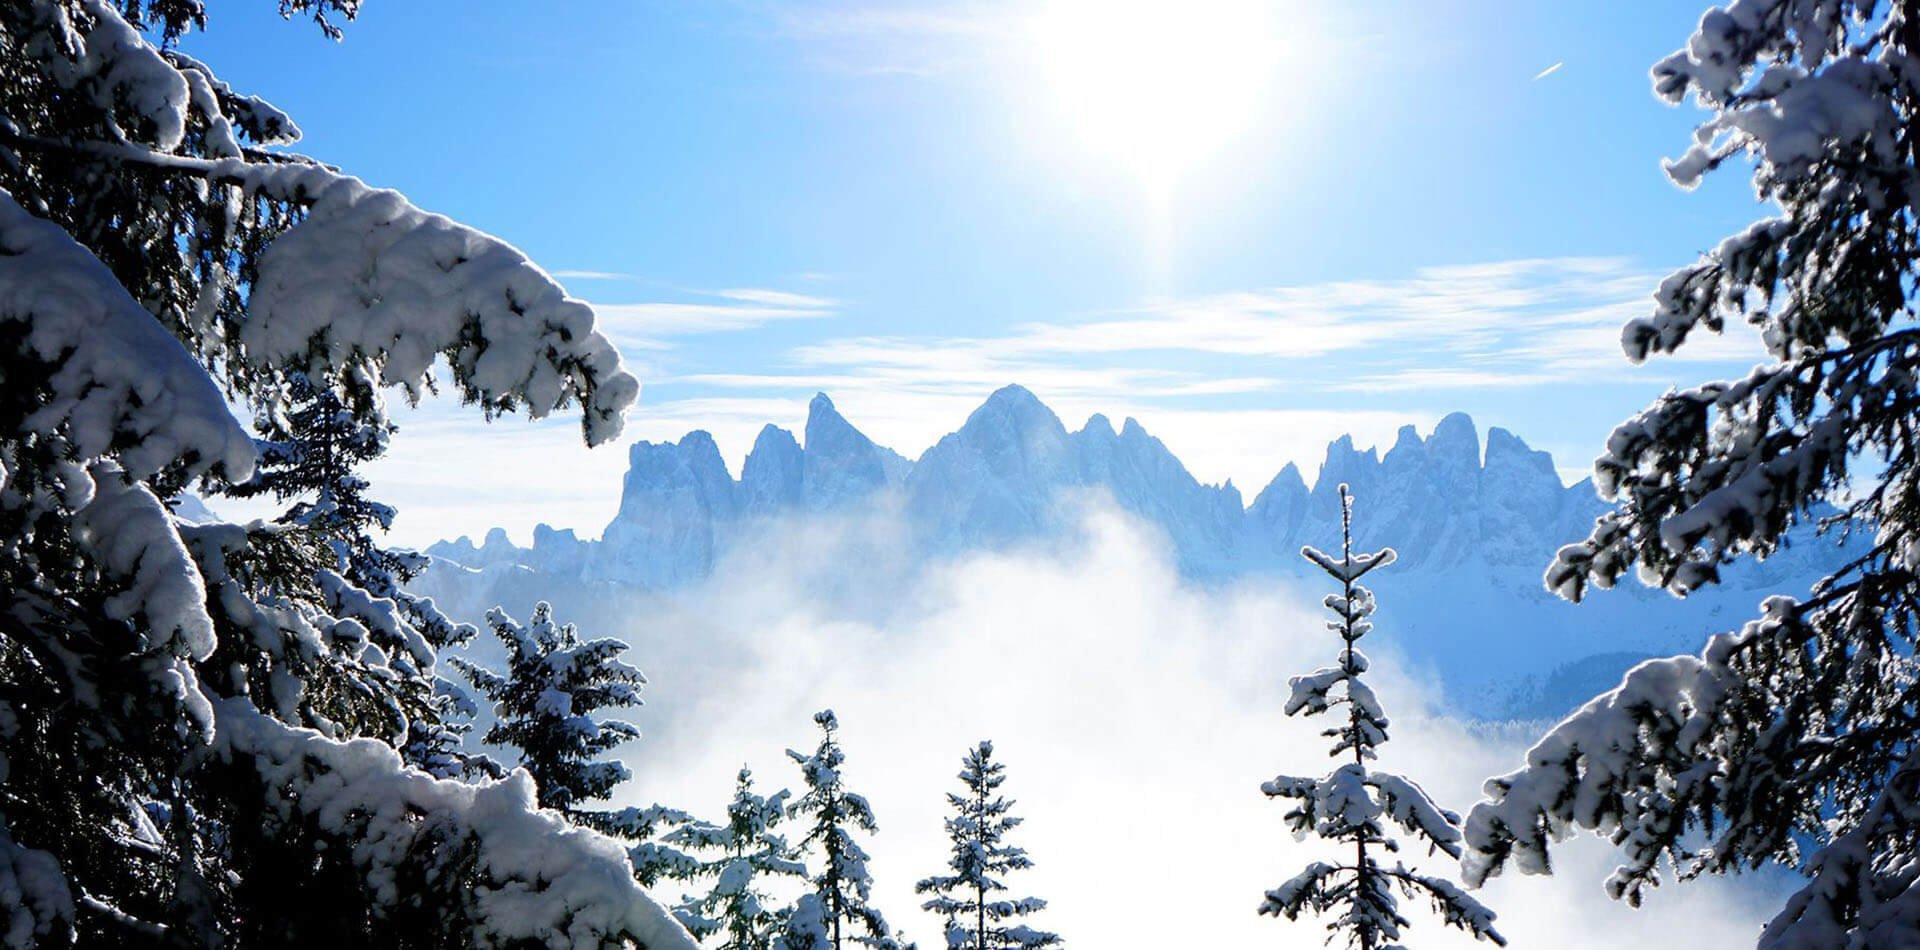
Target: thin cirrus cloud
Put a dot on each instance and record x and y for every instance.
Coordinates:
(777, 298)
(1506, 323)
(722, 311)
(592, 275)
(1250, 360)
(880, 39)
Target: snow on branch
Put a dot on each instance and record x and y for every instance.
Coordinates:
(117, 382)
(1408, 804)
(541, 880)
(36, 902)
(1629, 764)
(365, 282)
(1350, 568)
(369, 279)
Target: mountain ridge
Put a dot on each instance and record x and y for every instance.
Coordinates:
(1445, 498)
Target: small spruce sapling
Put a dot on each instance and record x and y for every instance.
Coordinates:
(969, 898)
(1348, 804)
(838, 909)
(546, 707)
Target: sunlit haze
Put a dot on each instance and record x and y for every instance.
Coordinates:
(1158, 85)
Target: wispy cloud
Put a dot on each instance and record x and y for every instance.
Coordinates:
(1550, 70)
(591, 275)
(723, 311)
(777, 298)
(1506, 323)
(879, 38)
(1206, 372)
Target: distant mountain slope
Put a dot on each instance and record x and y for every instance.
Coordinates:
(1476, 523)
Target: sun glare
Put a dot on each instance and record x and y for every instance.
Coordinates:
(1156, 86)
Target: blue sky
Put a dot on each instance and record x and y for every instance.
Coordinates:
(1253, 225)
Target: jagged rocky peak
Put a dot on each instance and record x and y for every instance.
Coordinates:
(1409, 450)
(1287, 487)
(1276, 512)
(1011, 436)
(1455, 443)
(495, 548)
(690, 466)
(1013, 410)
(995, 478)
(1343, 465)
(1432, 497)
(840, 464)
(559, 550)
(1508, 451)
(674, 499)
(1098, 427)
(773, 475)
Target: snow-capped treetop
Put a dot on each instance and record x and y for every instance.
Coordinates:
(1353, 803)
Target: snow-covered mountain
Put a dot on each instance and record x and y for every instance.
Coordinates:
(1476, 522)
(999, 478)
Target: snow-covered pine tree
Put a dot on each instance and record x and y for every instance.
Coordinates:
(546, 707)
(311, 450)
(1349, 804)
(654, 859)
(309, 454)
(197, 730)
(970, 899)
(839, 908)
(739, 856)
(1793, 740)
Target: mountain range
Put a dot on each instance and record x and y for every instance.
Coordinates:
(1475, 523)
(1439, 499)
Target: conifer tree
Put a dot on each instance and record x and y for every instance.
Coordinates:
(200, 734)
(971, 897)
(1791, 740)
(1350, 804)
(838, 910)
(654, 860)
(310, 454)
(546, 706)
(739, 857)
(311, 449)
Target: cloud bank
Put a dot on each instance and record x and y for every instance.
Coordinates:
(1137, 717)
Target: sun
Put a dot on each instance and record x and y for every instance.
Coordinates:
(1156, 86)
